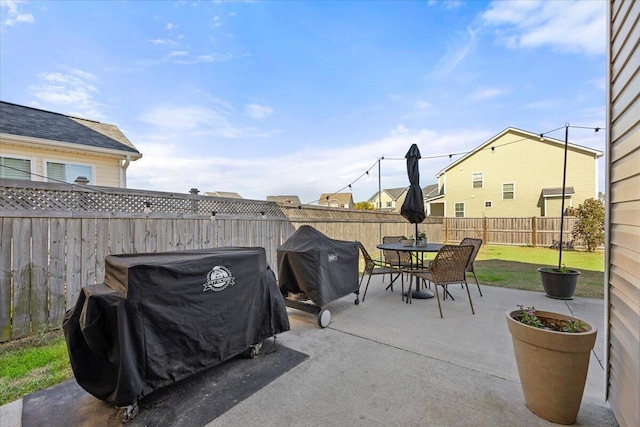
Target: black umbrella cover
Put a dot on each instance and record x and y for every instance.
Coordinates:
(413, 206)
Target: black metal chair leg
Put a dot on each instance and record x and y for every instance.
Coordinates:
(366, 287)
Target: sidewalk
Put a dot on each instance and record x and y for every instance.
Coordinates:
(386, 363)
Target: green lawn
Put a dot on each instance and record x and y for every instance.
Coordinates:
(35, 363)
(31, 364)
(516, 267)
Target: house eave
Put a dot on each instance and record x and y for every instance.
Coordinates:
(596, 153)
(66, 146)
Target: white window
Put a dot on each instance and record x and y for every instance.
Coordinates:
(477, 180)
(459, 210)
(389, 204)
(508, 191)
(66, 172)
(12, 168)
(488, 204)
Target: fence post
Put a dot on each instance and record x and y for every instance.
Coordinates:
(446, 229)
(484, 230)
(534, 232)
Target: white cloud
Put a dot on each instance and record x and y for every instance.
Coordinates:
(446, 4)
(176, 122)
(423, 105)
(14, 14)
(214, 57)
(399, 130)
(178, 53)
(171, 26)
(306, 172)
(259, 112)
(488, 93)
(72, 88)
(567, 26)
(457, 52)
(181, 118)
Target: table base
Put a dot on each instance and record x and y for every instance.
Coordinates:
(423, 294)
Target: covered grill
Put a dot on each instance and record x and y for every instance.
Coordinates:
(159, 318)
(314, 270)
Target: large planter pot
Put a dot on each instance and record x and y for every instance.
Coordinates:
(552, 366)
(559, 284)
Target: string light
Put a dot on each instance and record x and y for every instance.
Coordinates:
(450, 156)
(365, 174)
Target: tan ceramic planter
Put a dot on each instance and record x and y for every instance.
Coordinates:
(552, 366)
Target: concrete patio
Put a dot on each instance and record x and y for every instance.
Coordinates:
(386, 363)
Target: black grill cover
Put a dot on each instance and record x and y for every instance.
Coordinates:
(159, 318)
(324, 269)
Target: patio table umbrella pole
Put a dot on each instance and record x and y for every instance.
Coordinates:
(413, 206)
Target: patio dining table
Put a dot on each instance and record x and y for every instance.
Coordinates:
(417, 261)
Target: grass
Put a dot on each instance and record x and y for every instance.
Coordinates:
(31, 364)
(516, 268)
(35, 363)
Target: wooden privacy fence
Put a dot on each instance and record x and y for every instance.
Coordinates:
(535, 231)
(54, 238)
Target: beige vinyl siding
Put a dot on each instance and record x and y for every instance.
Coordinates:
(505, 164)
(386, 200)
(106, 169)
(622, 268)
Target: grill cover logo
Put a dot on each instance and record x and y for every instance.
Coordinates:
(218, 279)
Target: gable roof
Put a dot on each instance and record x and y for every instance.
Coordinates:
(586, 150)
(430, 191)
(394, 193)
(226, 194)
(288, 200)
(18, 120)
(557, 191)
(343, 198)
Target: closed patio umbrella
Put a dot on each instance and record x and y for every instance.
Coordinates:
(413, 205)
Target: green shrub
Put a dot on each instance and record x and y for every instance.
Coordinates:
(590, 225)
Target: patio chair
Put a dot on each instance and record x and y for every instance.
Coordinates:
(476, 243)
(373, 267)
(399, 260)
(448, 267)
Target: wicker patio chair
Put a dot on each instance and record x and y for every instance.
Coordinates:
(373, 267)
(476, 243)
(399, 260)
(448, 267)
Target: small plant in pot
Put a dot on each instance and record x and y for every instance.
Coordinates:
(552, 351)
(559, 283)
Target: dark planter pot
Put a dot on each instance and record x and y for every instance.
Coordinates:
(559, 284)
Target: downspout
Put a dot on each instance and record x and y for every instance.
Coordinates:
(123, 172)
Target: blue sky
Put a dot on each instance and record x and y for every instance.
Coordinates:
(303, 97)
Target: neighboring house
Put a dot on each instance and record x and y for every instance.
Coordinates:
(225, 194)
(389, 199)
(40, 145)
(516, 174)
(285, 200)
(431, 193)
(336, 200)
